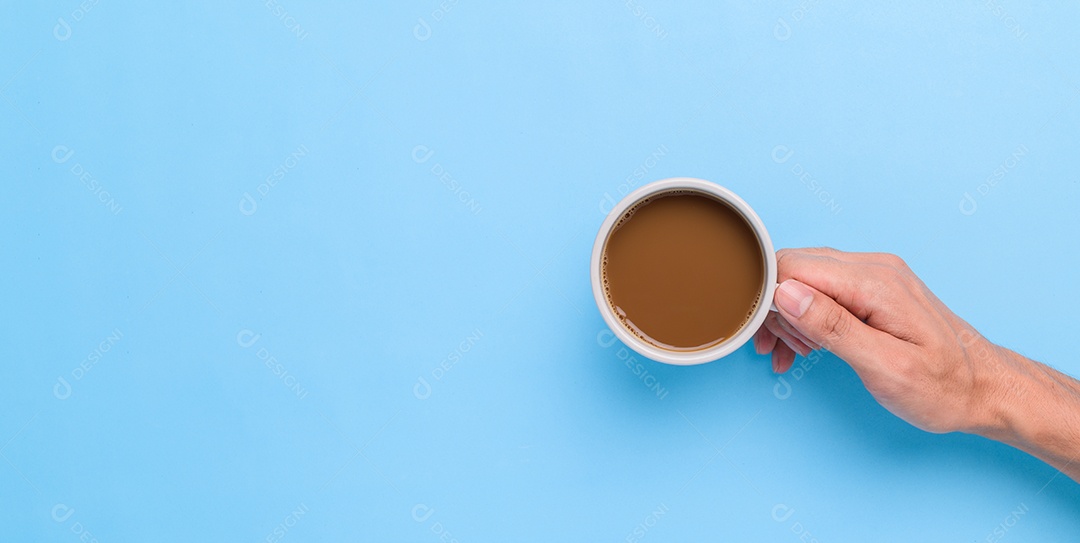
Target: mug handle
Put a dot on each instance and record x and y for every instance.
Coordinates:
(772, 303)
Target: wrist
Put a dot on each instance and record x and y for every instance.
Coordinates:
(1031, 407)
(1004, 385)
(999, 385)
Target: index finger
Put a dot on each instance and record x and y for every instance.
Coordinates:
(846, 282)
(874, 292)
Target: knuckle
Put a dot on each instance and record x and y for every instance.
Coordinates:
(835, 325)
(783, 256)
(893, 261)
(906, 370)
(913, 284)
(880, 282)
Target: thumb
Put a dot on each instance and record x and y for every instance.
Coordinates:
(827, 323)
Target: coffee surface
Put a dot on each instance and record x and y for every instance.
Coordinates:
(683, 270)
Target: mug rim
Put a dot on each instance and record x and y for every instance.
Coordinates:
(648, 350)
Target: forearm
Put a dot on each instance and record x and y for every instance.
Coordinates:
(1037, 410)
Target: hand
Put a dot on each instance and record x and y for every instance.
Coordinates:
(873, 312)
(915, 356)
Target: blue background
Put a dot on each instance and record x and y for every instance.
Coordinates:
(429, 362)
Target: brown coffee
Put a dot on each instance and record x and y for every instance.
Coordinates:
(683, 271)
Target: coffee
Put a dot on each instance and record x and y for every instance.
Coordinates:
(683, 271)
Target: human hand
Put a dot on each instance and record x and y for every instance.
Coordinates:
(915, 356)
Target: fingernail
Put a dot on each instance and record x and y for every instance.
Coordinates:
(794, 297)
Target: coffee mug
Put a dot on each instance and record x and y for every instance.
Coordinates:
(683, 357)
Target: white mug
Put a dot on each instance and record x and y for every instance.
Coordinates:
(684, 358)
